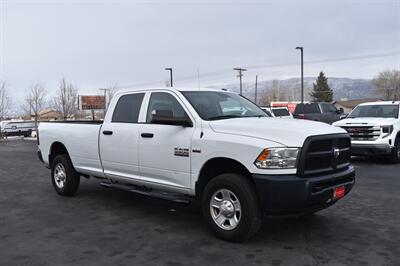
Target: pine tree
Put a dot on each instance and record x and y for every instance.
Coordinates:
(321, 91)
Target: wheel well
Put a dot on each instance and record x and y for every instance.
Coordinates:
(215, 167)
(57, 148)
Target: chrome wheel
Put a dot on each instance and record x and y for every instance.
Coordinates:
(60, 175)
(225, 209)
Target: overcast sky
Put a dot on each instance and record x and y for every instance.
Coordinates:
(98, 43)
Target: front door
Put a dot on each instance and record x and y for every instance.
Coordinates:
(164, 150)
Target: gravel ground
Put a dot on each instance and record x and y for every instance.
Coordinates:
(100, 226)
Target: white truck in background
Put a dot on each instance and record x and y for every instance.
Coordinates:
(282, 112)
(209, 145)
(17, 128)
(374, 129)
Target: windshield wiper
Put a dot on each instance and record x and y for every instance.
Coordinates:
(223, 117)
(233, 116)
(255, 116)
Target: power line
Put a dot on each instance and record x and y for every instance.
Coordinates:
(227, 70)
(328, 60)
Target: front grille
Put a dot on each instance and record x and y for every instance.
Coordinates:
(326, 153)
(363, 132)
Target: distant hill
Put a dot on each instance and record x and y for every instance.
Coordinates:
(342, 87)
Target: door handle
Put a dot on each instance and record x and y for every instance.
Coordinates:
(107, 132)
(147, 135)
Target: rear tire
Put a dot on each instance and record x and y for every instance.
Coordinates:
(64, 178)
(395, 157)
(231, 208)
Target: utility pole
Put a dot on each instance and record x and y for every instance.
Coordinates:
(240, 70)
(105, 101)
(302, 73)
(255, 91)
(170, 76)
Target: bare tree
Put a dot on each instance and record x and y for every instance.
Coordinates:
(387, 84)
(4, 100)
(35, 100)
(66, 99)
(275, 94)
(111, 90)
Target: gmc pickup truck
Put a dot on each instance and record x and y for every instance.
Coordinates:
(208, 145)
(374, 129)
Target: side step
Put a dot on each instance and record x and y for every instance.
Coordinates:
(148, 192)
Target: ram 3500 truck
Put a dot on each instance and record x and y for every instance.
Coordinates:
(209, 145)
(374, 129)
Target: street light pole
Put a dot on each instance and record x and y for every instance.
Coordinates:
(302, 73)
(240, 70)
(170, 75)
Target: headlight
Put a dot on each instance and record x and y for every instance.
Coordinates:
(277, 158)
(387, 130)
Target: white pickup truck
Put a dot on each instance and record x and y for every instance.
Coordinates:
(374, 129)
(208, 145)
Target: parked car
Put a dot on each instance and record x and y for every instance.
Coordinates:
(374, 129)
(282, 112)
(323, 112)
(208, 145)
(17, 128)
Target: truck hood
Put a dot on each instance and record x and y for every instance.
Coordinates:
(287, 132)
(366, 121)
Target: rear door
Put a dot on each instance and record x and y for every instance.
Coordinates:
(119, 137)
(165, 149)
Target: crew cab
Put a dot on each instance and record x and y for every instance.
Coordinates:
(323, 112)
(374, 129)
(208, 145)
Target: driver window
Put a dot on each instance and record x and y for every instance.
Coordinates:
(166, 102)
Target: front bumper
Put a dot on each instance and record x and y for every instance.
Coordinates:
(292, 194)
(371, 149)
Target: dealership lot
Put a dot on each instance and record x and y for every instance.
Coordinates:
(100, 226)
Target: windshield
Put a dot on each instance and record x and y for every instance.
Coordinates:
(213, 105)
(280, 112)
(385, 111)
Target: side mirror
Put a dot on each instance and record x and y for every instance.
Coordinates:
(341, 110)
(343, 116)
(166, 117)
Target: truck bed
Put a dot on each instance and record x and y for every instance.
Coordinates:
(81, 138)
(93, 122)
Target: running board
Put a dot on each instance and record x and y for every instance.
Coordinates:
(148, 192)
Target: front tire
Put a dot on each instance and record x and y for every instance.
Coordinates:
(64, 178)
(231, 208)
(395, 157)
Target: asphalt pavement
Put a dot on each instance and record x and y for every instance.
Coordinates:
(101, 226)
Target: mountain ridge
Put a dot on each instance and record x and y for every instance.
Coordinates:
(342, 87)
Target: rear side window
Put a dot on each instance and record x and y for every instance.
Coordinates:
(128, 108)
(308, 108)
